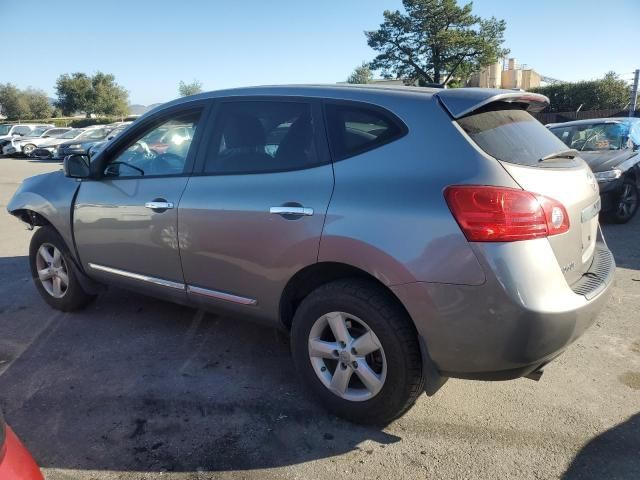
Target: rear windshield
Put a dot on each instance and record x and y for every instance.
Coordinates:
(511, 135)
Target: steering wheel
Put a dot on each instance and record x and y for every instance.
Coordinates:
(141, 147)
(166, 163)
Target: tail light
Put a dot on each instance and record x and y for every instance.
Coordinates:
(500, 214)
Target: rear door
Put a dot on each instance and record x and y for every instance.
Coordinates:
(526, 149)
(253, 215)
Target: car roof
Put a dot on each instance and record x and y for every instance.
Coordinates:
(458, 101)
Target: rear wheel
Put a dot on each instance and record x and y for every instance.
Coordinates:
(28, 149)
(626, 203)
(54, 273)
(357, 351)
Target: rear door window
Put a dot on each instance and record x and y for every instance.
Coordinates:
(511, 135)
(355, 128)
(254, 136)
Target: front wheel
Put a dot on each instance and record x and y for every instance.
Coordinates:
(53, 271)
(357, 351)
(626, 203)
(28, 149)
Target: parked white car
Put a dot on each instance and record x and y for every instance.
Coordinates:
(29, 142)
(8, 130)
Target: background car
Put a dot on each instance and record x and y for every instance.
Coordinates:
(119, 127)
(16, 463)
(49, 149)
(29, 142)
(8, 131)
(611, 147)
(81, 144)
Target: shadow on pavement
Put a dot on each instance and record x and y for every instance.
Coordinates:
(613, 454)
(136, 384)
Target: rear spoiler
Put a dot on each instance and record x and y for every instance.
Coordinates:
(463, 101)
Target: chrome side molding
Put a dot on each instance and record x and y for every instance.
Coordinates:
(176, 285)
(221, 295)
(138, 276)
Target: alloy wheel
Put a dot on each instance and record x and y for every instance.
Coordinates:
(347, 356)
(627, 202)
(52, 270)
(28, 149)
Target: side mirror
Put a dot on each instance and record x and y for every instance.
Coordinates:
(76, 166)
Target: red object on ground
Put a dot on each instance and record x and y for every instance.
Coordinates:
(16, 463)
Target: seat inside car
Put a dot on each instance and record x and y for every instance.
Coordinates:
(244, 141)
(295, 148)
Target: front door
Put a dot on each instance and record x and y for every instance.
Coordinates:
(253, 215)
(126, 223)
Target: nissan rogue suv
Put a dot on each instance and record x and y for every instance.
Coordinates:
(401, 235)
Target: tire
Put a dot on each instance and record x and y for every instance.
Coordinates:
(28, 149)
(397, 364)
(59, 286)
(626, 203)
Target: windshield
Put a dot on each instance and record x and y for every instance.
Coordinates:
(71, 133)
(595, 136)
(94, 134)
(511, 135)
(4, 129)
(36, 132)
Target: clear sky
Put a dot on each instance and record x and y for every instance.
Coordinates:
(150, 45)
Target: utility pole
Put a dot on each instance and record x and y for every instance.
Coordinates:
(634, 94)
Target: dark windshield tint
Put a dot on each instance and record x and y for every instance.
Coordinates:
(511, 135)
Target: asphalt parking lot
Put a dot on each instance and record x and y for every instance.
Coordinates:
(134, 388)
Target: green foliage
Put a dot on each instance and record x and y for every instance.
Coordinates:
(608, 93)
(85, 122)
(361, 74)
(433, 40)
(99, 94)
(38, 103)
(27, 104)
(186, 89)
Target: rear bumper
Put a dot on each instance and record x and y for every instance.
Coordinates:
(17, 462)
(521, 318)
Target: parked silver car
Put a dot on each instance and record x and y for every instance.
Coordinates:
(401, 235)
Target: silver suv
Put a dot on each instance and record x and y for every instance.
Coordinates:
(401, 235)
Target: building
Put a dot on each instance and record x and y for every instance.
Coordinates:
(508, 76)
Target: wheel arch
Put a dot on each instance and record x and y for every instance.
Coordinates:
(313, 276)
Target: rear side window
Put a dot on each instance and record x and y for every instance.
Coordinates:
(354, 129)
(262, 136)
(511, 135)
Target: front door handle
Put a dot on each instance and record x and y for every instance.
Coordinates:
(293, 211)
(159, 205)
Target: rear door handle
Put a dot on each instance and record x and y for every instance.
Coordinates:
(158, 205)
(294, 211)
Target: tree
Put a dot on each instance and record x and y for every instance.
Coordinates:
(186, 89)
(610, 92)
(100, 94)
(38, 102)
(13, 103)
(433, 40)
(361, 74)
(107, 96)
